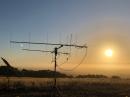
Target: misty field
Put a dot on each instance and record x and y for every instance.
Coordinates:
(67, 87)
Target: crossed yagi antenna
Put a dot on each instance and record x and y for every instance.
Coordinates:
(55, 51)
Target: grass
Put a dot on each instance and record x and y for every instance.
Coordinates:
(67, 88)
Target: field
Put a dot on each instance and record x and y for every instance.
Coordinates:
(66, 87)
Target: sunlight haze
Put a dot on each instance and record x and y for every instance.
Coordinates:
(103, 25)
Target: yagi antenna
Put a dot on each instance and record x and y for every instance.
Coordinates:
(44, 51)
(43, 43)
(55, 50)
(6, 62)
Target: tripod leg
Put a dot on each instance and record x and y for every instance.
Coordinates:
(58, 92)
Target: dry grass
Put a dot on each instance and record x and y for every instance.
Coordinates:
(40, 87)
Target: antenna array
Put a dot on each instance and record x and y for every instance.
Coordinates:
(55, 51)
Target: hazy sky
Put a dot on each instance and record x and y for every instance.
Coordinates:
(101, 24)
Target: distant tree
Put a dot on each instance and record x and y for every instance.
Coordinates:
(10, 71)
(91, 76)
(116, 77)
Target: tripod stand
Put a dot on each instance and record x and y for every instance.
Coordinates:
(56, 92)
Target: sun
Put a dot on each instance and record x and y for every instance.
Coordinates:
(21, 45)
(109, 52)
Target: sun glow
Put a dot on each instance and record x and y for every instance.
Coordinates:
(21, 45)
(109, 52)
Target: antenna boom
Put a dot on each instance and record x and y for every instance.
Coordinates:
(43, 43)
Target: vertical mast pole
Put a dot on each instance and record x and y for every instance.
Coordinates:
(55, 51)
